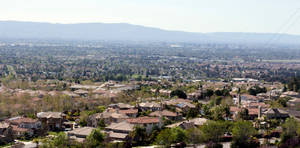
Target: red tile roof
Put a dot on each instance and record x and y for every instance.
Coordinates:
(22, 120)
(129, 111)
(143, 120)
(253, 111)
(257, 104)
(163, 113)
(18, 129)
(235, 109)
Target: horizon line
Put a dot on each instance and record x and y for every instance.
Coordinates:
(163, 29)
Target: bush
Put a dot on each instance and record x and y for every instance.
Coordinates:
(170, 136)
(179, 93)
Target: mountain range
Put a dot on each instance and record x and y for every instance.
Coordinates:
(129, 32)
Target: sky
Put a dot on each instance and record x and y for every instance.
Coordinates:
(264, 16)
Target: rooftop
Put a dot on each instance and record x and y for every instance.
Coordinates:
(19, 120)
(50, 115)
(143, 120)
(4, 125)
(122, 126)
(163, 113)
(82, 131)
(129, 111)
(117, 135)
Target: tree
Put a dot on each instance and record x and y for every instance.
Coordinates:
(206, 110)
(84, 115)
(195, 136)
(289, 129)
(138, 136)
(192, 113)
(242, 133)
(294, 84)
(216, 100)
(243, 114)
(168, 136)
(256, 90)
(95, 139)
(179, 93)
(218, 93)
(220, 112)
(179, 135)
(209, 93)
(153, 135)
(100, 109)
(213, 131)
(283, 101)
(164, 137)
(101, 124)
(61, 140)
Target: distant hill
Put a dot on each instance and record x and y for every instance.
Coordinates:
(128, 32)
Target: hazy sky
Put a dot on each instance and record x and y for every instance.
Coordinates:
(186, 15)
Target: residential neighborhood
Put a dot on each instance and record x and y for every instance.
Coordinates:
(210, 103)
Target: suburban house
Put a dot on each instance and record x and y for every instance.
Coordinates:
(245, 98)
(130, 112)
(119, 131)
(23, 125)
(291, 94)
(167, 114)
(187, 124)
(294, 102)
(6, 133)
(121, 106)
(82, 93)
(275, 113)
(183, 125)
(182, 104)
(149, 106)
(52, 121)
(198, 121)
(80, 134)
(109, 116)
(195, 95)
(253, 113)
(148, 122)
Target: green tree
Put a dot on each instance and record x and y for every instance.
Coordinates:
(60, 140)
(289, 129)
(206, 110)
(220, 112)
(218, 93)
(95, 139)
(243, 114)
(138, 136)
(164, 137)
(213, 131)
(294, 84)
(192, 113)
(209, 93)
(242, 133)
(179, 93)
(283, 101)
(101, 124)
(195, 136)
(168, 136)
(100, 109)
(256, 90)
